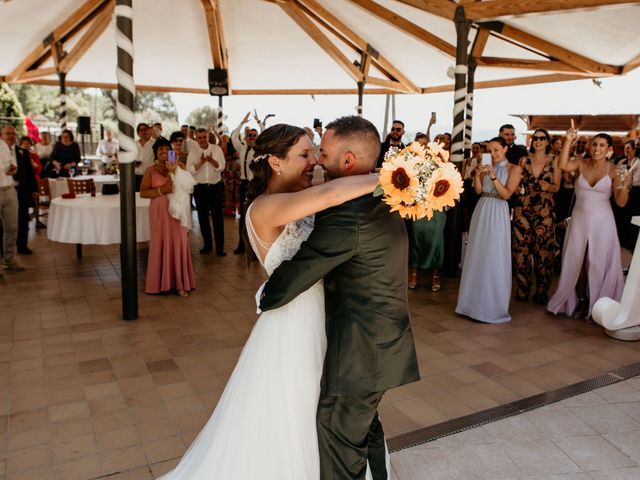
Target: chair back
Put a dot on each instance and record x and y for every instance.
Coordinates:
(43, 187)
(81, 186)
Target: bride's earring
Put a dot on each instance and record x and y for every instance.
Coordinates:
(279, 172)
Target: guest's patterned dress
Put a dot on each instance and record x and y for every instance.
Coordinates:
(533, 229)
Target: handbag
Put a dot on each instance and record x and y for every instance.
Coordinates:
(567, 221)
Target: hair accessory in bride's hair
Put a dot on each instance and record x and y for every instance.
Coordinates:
(264, 156)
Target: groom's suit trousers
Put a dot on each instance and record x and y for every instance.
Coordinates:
(349, 434)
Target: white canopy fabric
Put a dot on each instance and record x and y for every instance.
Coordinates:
(267, 50)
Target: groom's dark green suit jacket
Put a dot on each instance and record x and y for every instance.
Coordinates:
(360, 249)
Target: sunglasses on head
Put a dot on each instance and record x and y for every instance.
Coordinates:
(539, 138)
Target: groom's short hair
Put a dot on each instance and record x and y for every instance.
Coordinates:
(361, 135)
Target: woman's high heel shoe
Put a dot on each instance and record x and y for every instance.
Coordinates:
(413, 279)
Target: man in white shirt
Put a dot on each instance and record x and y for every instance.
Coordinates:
(107, 148)
(206, 161)
(145, 156)
(245, 156)
(8, 206)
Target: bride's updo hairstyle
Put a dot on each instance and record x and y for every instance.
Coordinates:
(277, 141)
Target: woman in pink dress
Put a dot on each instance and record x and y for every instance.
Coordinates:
(591, 265)
(169, 263)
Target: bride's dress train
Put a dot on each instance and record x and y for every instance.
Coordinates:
(264, 426)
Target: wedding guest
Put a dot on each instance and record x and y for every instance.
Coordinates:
(44, 147)
(8, 202)
(26, 186)
(485, 286)
(627, 231)
(144, 159)
(244, 148)
(107, 148)
(533, 222)
(169, 263)
(591, 265)
(65, 156)
(394, 139)
(206, 162)
(427, 242)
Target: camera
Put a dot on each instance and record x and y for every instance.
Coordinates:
(317, 123)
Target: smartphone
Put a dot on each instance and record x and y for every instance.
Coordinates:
(171, 156)
(486, 159)
(433, 117)
(317, 123)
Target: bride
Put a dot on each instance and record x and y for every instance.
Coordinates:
(264, 425)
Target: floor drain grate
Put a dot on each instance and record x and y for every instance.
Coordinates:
(456, 425)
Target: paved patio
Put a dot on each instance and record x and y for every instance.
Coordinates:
(85, 395)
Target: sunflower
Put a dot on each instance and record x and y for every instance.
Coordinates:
(444, 187)
(413, 211)
(415, 149)
(438, 150)
(398, 179)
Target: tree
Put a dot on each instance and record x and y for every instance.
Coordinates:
(203, 116)
(11, 109)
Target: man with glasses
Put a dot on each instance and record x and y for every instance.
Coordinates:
(206, 162)
(145, 151)
(394, 139)
(245, 156)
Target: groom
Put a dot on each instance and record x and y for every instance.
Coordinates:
(360, 249)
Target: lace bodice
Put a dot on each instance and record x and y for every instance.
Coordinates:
(285, 246)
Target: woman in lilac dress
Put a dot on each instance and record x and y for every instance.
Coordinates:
(591, 266)
(485, 286)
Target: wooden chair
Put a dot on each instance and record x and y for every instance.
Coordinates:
(81, 186)
(44, 199)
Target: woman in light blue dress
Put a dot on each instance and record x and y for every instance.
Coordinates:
(485, 286)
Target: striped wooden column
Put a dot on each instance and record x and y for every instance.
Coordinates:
(460, 93)
(468, 125)
(62, 109)
(126, 156)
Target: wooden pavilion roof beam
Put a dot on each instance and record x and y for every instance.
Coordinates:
(66, 30)
(500, 8)
(480, 42)
(407, 27)
(631, 65)
(93, 31)
(294, 11)
(510, 82)
(216, 35)
(342, 31)
(550, 65)
(441, 8)
(553, 50)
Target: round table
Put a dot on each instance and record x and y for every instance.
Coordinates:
(59, 186)
(87, 220)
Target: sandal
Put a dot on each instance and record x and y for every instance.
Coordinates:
(413, 279)
(183, 293)
(435, 282)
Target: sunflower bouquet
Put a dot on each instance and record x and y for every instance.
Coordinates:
(417, 181)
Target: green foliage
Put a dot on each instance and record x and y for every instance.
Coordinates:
(203, 116)
(10, 107)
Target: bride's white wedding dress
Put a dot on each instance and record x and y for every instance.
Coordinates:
(264, 426)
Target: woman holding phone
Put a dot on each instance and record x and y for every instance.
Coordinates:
(169, 263)
(485, 286)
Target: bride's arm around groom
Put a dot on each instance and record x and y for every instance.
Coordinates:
(360, 249)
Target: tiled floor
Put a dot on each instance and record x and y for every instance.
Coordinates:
(594, 436)
(86, 395)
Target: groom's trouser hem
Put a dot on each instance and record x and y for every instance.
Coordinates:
(349, 432)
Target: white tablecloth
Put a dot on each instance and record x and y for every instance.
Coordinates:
(58, 186)
(93, 220)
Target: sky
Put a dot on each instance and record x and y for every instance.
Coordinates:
(492, 107)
